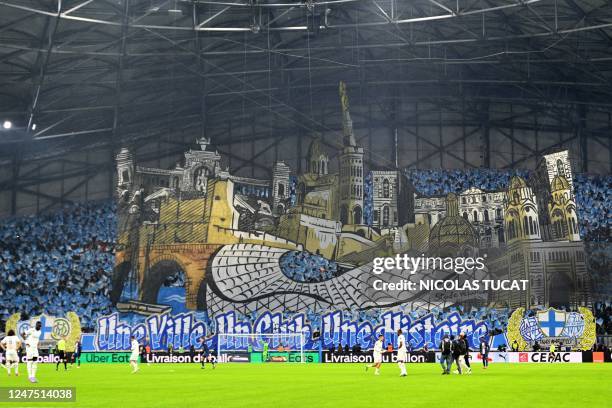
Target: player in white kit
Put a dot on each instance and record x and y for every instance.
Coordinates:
(378, 352)
(402, 355)
(11, 344)
(32, 337)
(135, 353)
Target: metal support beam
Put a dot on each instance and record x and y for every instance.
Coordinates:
(116, 132)
(50, 34)
(16, 164)
(486, 137)
(582, 138)
(199, 63)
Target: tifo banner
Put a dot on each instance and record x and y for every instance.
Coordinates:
(568, 329)
(184, 330)
(203, 249)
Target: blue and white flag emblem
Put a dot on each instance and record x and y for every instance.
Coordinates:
(552, 322)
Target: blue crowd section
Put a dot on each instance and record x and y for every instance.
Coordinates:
(306, 267)
(438, 182)
(63, 261)
(593, 193)
(594, 202)
(603, 318)
(58, 262)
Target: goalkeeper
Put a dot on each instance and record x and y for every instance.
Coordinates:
(264, 354)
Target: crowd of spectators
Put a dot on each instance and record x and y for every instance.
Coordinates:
(306, 267)
(603, 318)
(593, 193)
(58, 263)
(594, 203)
(434, 182)
(599, 261)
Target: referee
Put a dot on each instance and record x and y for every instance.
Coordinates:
(61, 352)
(551, 352)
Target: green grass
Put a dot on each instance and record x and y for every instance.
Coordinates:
(327, 385)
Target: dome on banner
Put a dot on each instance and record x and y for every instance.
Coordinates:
(452, 234)
(559, 183)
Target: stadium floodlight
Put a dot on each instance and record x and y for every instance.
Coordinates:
(281, 347)
(7, 124)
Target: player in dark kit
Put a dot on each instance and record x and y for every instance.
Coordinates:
(466, 356)
(76, 356)
(206, 355)
(143, 355)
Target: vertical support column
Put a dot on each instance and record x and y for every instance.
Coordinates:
(610, 142)
(393, 133)
(440, 140)
(118, 80)
(229, 137)
(252, 147)
(43, 62)
(463, 132)
(201, 69)
(416, 132)
(62, 184)
(536, 133)
(370, 135)
(486, 141)
(582, 138)
(298, 150)
(88, 164)
(16, 164)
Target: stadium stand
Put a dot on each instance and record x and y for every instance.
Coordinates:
(307, 267)
(62, 261)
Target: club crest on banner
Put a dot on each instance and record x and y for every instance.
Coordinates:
(573, 329)
(53, 327)
(551, 322)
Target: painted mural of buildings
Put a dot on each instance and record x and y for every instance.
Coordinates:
(543, 244)
(392, 199)
(180, 219)
(554, 187)
(351, 169)
(534, 223)
(483, 209)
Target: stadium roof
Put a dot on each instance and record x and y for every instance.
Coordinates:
(83, 73)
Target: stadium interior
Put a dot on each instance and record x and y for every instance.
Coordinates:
(244, 162)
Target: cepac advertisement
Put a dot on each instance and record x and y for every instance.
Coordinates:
(546, 357)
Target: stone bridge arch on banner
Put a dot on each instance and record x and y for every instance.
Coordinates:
(164, 260)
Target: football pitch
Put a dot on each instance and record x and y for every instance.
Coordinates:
(325, 385)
